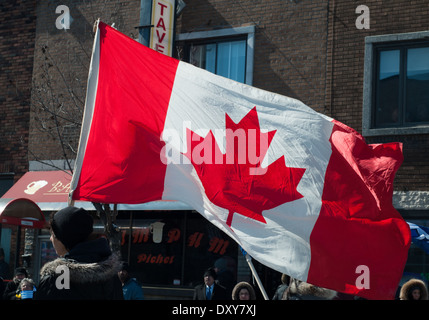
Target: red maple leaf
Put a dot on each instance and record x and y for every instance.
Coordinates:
(235, 180)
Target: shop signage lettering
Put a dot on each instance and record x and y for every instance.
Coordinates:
(59, 188)
(163, 22)
(173, 235)
(194, 240)
(142, 235)
(216, 245)
(156, 259)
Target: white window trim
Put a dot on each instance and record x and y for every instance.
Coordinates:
(248, 30)
(368, 85)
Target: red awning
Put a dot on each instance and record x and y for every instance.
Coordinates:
(21, 212)
(50, 190)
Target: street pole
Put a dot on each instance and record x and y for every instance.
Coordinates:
(255, 274)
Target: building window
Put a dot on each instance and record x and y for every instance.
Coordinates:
(401, 86)
(225, 52)
(396, 85)
(6, 182)
(224, 58)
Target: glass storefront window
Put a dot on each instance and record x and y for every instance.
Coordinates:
(175, 248)
(155, 249)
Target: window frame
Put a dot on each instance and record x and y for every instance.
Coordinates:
(373, 45)
(247, 33)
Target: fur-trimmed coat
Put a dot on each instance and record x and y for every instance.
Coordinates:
(409, 286)
(92, 272)
(299, 290)
(239, 286)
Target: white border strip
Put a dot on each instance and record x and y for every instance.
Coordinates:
(91, 93)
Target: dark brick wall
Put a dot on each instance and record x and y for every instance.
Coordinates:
(17, 34)
(61, 64)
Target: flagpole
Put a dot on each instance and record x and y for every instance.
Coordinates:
(88, 110)
(255, 274)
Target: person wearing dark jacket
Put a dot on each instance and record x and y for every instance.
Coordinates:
(280, 291)
(86, 269)
(210, 290)
(12, 286)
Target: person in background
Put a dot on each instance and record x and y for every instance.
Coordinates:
(285, 279)
(26, 289)
(243, 291)
(4, 266)
(224, 275)
(210, 290)
(130, 287)
(414, 289)
(12, 286)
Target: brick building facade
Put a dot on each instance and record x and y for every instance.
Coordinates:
(314, 51)
(346, 68)
(17, 37)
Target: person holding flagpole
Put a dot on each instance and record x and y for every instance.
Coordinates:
(86, 268)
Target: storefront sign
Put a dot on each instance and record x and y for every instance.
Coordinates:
(162, 33)
(149, 258)
(142, 235)
(182, 250)
(42, 186)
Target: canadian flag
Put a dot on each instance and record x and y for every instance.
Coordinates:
(300, 192)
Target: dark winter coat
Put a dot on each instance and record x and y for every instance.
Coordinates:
(93, 274)
(219, 293)
(278, 295)
(10, 289)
